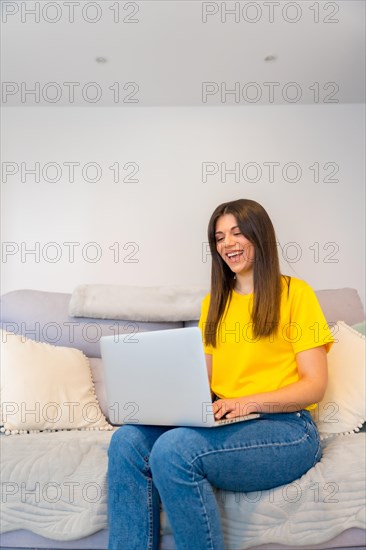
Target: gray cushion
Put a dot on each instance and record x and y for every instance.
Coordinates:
(43, 316)
(343, 304)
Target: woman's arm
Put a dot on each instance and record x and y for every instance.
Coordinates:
(209, 366)
(209, 371)
(313, 373)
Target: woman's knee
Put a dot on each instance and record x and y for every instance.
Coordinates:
(138, 439)
(172, 449)
(125, 437)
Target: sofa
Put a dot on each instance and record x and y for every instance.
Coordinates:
(53, 479)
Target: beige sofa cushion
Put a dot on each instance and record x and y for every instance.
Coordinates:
(343, 407)
(46, 387)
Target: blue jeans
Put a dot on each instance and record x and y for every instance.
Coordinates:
(180, 467)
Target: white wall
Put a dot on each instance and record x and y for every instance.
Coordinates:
(165, 213)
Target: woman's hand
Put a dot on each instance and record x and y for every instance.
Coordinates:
(230, 408)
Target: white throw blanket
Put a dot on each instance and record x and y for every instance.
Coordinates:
(134, 303)
(54, 484)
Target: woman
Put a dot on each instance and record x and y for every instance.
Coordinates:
(265, 340)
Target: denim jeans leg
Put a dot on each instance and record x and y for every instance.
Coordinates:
(186, 463)
(133, 501)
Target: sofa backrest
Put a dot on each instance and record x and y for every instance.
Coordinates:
(43, 316)
(342, 304)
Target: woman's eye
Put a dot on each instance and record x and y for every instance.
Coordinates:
(236, 234)
(218, 239)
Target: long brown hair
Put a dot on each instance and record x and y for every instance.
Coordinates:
(255, 224)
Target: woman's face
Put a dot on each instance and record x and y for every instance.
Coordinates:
(236, 251)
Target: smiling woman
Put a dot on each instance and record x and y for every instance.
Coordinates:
(262, 357)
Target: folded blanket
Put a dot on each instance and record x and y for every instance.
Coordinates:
(55, 485)
(134, 303)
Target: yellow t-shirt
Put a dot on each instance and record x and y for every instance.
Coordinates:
(243, 365)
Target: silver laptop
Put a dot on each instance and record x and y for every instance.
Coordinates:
(159, 378)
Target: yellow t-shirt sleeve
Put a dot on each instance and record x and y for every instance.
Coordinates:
(202, 322)
(308, 326)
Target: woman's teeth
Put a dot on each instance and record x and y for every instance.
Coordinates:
(234, 256)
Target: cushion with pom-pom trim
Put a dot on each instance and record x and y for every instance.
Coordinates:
(342, 410)
(46, 387)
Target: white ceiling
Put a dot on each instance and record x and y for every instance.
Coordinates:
(169, 52)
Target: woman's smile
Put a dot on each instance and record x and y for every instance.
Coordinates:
(234, 257)
(235, 249)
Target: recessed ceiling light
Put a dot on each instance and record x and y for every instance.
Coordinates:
(101, 60)
(270, 58)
